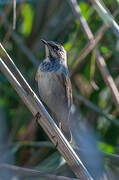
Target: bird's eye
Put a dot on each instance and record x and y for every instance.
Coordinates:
(56, 48)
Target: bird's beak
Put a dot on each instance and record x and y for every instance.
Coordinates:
(46, 47)
(44, 42)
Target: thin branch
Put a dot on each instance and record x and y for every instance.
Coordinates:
(97, 109)
(5, 13)
(108, 78)
(14, 14)
(47, 123)
(113, 158)
(24, 48)
(37, 144)
(18, 40)
(106, 16)
(26, 172)
(77, 13)
(87, 49)
(100, 61)
(89, 46)
(12, 25)
(7, 35)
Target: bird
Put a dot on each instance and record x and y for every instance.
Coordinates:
(54, 86)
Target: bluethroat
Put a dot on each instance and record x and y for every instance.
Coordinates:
(54, 85)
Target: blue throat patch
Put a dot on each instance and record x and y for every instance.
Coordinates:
(51, 66)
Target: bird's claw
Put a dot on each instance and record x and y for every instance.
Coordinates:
(56, 145)
(37, 116)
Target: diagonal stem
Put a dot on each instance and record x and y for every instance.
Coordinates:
(34, 104)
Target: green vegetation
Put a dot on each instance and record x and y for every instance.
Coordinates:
(54, 20)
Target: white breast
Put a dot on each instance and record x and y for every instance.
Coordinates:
(44, 83)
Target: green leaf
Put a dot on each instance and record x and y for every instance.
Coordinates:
(28, 14)
(105, 50)
(106, 147)
(84, 9)
(68, 45)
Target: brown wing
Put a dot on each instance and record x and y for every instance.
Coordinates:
(68, 89)
(65, 126)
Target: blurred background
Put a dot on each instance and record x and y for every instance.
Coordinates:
(95, 98)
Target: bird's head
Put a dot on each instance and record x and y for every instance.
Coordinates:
(55, 51)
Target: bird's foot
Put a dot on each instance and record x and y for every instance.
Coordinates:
(56, 145)
(36, 117)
